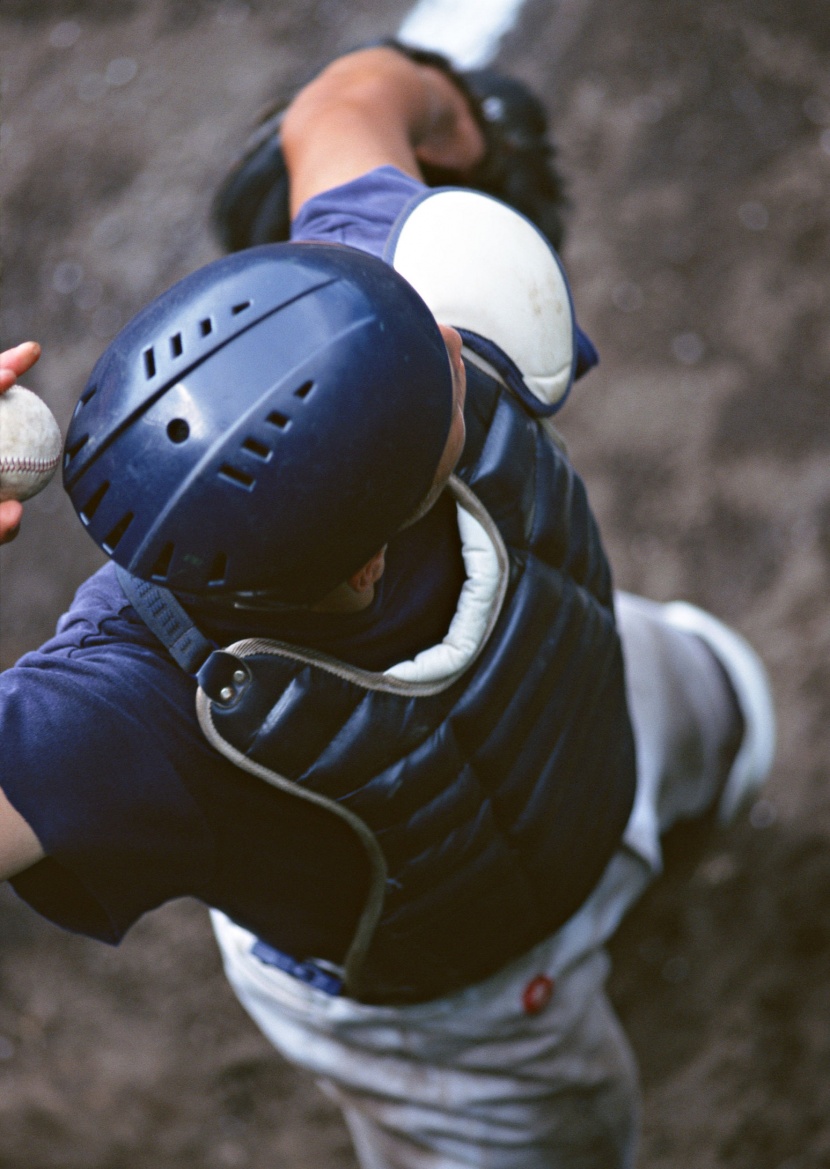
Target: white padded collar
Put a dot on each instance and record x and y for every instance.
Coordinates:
(473, 617)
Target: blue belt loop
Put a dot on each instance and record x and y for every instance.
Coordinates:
(308, 972)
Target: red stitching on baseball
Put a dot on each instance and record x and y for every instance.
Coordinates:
(11, 463)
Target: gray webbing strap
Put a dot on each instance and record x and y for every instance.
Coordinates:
(164, 616)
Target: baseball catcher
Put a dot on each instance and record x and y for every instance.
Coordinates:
(356, 675)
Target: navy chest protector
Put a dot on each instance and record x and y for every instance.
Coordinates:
(476, 794)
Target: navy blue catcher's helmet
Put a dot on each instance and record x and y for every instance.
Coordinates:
(265, 425)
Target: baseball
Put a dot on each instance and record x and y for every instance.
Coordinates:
(30, 444)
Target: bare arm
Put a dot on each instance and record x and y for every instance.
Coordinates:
(375, 108)
(19, 847)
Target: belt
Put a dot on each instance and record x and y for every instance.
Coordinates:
(312, 971)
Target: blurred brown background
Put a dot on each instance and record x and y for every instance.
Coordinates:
(696, 137)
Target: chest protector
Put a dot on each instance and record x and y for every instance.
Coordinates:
(475, 794)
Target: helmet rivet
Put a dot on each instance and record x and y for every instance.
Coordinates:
(226, 693)
(239, 677)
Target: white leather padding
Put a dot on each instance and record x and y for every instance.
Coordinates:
(472, 617)
(479, 265)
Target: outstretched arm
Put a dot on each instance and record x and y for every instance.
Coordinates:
(14, 363)
(375, 108)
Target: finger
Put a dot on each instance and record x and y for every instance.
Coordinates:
(11, 513)
(18, 360)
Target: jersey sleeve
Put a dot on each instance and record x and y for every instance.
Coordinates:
(360, 213)
(99, 738)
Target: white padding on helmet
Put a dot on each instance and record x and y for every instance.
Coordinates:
(481, 266)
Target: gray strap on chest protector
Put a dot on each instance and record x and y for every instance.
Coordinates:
(221, 675)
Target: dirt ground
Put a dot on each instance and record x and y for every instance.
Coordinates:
(696, 136)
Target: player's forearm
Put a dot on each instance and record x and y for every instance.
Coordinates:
(19, 847)
(374, 108)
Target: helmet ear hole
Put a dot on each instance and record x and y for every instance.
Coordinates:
(178, 430)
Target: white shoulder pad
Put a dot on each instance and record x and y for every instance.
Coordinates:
(482, 266)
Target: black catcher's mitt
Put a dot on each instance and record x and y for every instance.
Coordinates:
(251, 205)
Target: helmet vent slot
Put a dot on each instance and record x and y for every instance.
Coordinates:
(176, 345)
(304, 390)
(162, 564)
(88, 394)
(218, 569)
(93, 503)
(178, 430)
(206, 327)
(240, 308)
(149, 363)
(110, 543)
(257, 448)
(281, 421)
(71, 451)
(237, 477)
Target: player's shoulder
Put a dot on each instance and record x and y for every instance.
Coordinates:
(101, 659)
(100, 615)
(360, 213)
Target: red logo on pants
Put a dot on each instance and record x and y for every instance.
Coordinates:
(537, 994)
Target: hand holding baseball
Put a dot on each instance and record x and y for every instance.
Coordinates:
(13, 363)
